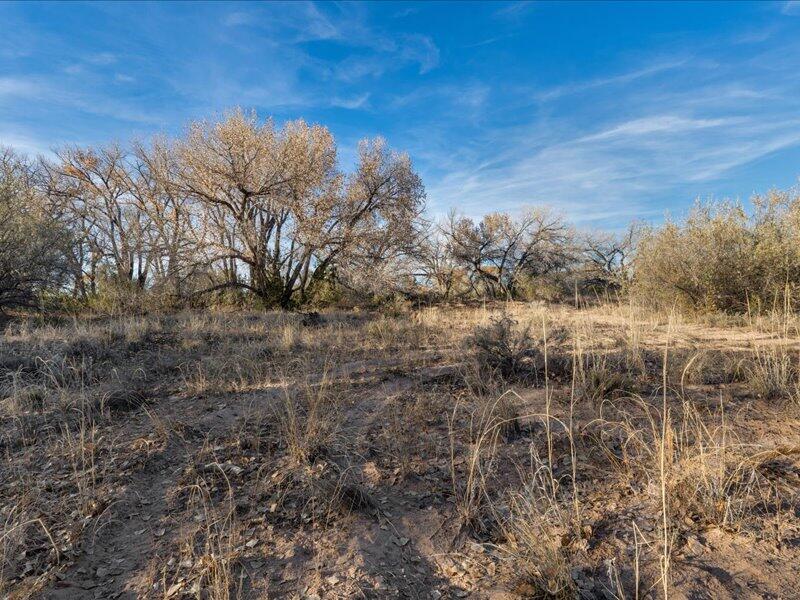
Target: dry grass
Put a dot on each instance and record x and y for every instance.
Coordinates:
(583, 450)
(307, 419)
(772, 374)
(537, 528)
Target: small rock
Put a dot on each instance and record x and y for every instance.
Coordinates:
(693, 546)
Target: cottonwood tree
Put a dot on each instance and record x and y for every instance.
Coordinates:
(436, 266)
(236, 204)
(171, 238)
(374, 234)
(499, 251)
(278, 205)
(94, 190)
(607, 258)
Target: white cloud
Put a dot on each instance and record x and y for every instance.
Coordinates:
(317, 26)
(422, 50)
(574, 88)
(356, 67)
(514, 10)
(487, 41)
(627, 145)
(791, 7)
(24, 143)
(19, 87)
(237, 18)
(658, 124)
(614, 173)
(55, 94)
(464, 96)
(102, 58)
(353, 103)
(375, 51)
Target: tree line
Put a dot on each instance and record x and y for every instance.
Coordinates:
(234, 204)
(250, 208)
(239, 210)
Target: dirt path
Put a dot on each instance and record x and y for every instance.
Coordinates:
(119, 545)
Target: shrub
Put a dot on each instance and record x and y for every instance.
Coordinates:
(701, 264)
(506, 348)
(720, 258)
(600, 376)
(32, 244)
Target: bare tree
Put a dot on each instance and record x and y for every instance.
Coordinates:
(436, 266)
(607, 258)
(281, 208)
(172, 239)
(498, 251)
(94, 189)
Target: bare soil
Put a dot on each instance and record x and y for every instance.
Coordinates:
(226, 455)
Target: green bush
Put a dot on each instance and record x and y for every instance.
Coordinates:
(33, 244)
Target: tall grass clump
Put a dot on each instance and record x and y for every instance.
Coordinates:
(771, 373)
(307, 419)
(539, 523)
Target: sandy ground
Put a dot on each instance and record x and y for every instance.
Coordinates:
(160, 461)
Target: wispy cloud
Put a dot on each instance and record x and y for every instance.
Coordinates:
(791, 7)
(488, 41)
(658, 124)
(358, 66)
(514, 10)
(614, 173)
(622, 78)
(237, 18)
(374, 50)
(632, 144)
(19, 87)
(405, 12)
(102, 58)
(421, 50)
(50, 94)
(495, 117)
(467, 98)
(317, 25)
(23, 143)
(351, 103)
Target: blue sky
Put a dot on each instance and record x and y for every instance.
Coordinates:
(605, 112)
